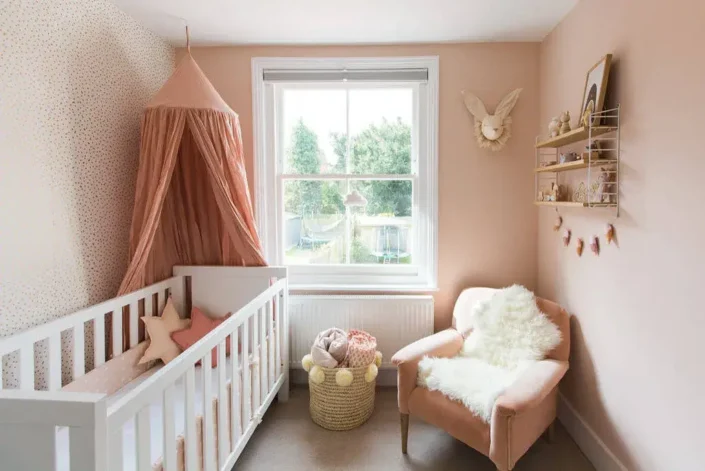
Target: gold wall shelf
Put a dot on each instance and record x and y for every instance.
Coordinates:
(576, 135)
(575, 204)
(602, 184)
(575, 165)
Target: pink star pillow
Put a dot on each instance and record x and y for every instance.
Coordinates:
(200, 326)
(161, 346)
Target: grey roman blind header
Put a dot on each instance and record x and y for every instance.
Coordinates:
(342, 75)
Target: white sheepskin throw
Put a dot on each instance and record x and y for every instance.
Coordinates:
(509, 334)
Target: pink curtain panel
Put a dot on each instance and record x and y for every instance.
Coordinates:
(192, 201)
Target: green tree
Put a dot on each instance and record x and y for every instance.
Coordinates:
(380, 148)
(304, 152)
(309, 197)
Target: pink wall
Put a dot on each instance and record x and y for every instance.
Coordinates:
(487, 224)
(637, 375)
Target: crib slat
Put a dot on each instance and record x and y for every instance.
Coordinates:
(27, 367)
(246, 383)
(257, 363)
(192, 462)
(79, 351)
(143, 440)
(270, 345)
(117, 332)
(116, 451)
(169, 430)
(161, 302)
(148, 302)
(223, 440)
(263, 356)
(208, 438)
(277, 343)
(98, 341)
(54, 362)
(134, 324)
(235, 406)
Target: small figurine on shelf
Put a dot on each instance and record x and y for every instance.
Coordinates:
(569, 157)
(565, 122)
(556, 193)
(593, 151)
(594, 146)
(554, 127)
(580, 193)
(601, 190)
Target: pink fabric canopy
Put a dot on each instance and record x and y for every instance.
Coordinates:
(192, 202)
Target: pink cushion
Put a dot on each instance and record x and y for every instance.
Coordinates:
(200, 326)
(161, 346)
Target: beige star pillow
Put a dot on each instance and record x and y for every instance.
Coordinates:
(161, 346)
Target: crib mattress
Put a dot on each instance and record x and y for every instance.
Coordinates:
(156, 421)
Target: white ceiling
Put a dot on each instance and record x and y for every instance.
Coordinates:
(220, 22)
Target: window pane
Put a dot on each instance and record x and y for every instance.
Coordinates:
(380, 129)
(381, 230)
(314, 126)
(314, 222)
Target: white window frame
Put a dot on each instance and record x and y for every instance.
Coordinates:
(422, 276)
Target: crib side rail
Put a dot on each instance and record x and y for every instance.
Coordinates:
(255, 337)
(28, 421)
(79, 325)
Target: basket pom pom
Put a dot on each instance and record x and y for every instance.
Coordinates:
(317, 375)
(371, 373)
(378, 358)
(344, 377)
(307, 362)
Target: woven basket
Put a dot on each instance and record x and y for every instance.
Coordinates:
(342, 407)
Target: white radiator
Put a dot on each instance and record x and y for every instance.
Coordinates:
(395, 321)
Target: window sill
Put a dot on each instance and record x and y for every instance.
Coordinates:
(360, 289)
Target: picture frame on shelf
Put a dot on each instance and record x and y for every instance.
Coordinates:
(596, 87)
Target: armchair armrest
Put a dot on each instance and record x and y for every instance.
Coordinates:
(446, 343)
(531, 388)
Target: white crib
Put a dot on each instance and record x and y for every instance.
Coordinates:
(55, 430)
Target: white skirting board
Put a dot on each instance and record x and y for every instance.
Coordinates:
(395, 321)
(587, 440)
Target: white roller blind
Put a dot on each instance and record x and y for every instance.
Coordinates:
(343, 75)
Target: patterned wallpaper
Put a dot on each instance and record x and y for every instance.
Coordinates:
(74, 76)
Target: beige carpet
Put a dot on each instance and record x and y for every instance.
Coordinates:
(287, 439)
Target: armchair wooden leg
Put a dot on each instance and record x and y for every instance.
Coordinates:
(404, 431)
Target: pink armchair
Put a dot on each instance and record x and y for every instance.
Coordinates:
(520, 415)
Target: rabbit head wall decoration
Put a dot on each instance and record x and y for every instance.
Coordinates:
(492, 130)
